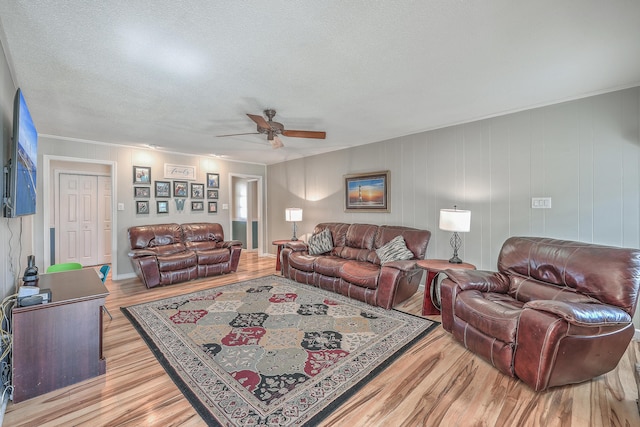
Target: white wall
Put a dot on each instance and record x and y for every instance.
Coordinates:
(16, 234)
(124, 159)
(584, 154)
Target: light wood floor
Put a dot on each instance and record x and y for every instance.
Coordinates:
(437, 382)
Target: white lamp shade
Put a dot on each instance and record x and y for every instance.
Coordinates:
(455, 220)
(293, 214)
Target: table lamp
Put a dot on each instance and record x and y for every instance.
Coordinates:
(458, 221)
(293, 215)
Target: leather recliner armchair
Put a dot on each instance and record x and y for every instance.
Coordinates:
(557, 312)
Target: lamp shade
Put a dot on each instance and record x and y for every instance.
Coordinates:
(293, 214)
(455, 220)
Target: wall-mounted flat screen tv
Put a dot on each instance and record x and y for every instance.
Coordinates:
(21, 189)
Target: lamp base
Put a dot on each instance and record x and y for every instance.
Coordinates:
(455, 260)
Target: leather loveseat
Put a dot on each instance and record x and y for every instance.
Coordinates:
(556, 312)
(352, 267)
(163, 254)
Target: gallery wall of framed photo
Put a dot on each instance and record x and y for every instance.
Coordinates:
(177, 192)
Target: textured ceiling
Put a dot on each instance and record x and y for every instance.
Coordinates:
(176, 74)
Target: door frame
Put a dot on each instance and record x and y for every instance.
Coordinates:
(47, 189)
(260, 196)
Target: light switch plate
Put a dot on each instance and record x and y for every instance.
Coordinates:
(120, 206)
(541, 202)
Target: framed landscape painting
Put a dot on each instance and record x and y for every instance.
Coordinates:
(367, 192)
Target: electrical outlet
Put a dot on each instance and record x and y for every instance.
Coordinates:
(541, 202)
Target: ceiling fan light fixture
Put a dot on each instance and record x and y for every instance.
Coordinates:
(276, 143)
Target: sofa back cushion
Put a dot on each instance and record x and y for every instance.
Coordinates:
(416, 240)
(152, 236)
(359, 242)
(338, 232)
(203, 232)
(608, 274)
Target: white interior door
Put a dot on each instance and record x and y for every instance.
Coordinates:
(78, 224)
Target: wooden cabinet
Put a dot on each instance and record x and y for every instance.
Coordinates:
(59, 343)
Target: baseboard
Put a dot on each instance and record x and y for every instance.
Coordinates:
(124, 276)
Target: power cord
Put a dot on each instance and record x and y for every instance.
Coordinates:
(6, 339)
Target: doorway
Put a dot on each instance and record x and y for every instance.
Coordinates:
(246, 210)
(91, 241)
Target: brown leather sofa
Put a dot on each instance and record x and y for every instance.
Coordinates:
(163, 254)
(557, 312)
(353, 268)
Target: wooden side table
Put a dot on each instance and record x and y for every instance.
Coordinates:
(279, 244)
(433, 267)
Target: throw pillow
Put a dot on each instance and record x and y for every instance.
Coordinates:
(394, 250)
(320, 243)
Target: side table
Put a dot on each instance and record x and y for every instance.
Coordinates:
(279, 244)
(433, 267)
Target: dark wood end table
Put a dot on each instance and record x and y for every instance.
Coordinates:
(433, 267)
(279, 244)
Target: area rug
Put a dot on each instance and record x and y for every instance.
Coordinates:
(271, 351)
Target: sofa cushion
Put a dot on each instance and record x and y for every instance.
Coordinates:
(213, 256)
(177, 261)
(320, 243)
(394, 250)
(203, 246)
(302, 261)
(361, 273)
(202, 232)
(495, 315)
(361, 236)
(329, 265)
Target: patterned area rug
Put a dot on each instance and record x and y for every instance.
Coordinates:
(271, 351)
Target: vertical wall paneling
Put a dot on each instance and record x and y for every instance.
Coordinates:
(584, 154)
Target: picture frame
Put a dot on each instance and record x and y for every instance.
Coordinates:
(141, 175)
(163, 206)
(212, 207)
(142, 207)
(172, 171)
(367, 192)
(212, 194)
(141, 192)
(197, 191)
(163, 189)
(180, 188)
(213, 180)
(197, 206)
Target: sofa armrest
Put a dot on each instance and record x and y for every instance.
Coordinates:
(230, 243)
(582, 314)
(479, 280)
(407, 265)
(297, 246)
(137, 253)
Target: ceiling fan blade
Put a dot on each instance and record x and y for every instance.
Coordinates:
(237, 134)
(276, 143)
(260, 121)
(304, 134)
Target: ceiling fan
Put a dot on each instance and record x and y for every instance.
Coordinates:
(273, 129)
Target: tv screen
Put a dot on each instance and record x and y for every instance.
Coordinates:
(21, 199)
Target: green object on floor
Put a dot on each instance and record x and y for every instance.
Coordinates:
(55, 268)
